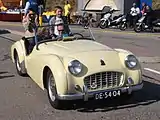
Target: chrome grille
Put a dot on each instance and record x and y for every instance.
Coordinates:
(102, 80)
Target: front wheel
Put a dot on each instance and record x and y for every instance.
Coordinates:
(123, 26)
(137, 28)
(52, 91)
(103, 24)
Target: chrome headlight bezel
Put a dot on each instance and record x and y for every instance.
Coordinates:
(131, 61)
(75, 67)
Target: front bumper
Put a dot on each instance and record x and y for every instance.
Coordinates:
(85, 95)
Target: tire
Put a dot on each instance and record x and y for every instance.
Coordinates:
(20, 67)
(137, 28)
(52, 92)
(123, 26)
(103, 24)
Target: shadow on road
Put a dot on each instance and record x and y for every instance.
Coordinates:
(5, 76)
(148, 95)
(4, 32)
(6, 57)
(9, 39)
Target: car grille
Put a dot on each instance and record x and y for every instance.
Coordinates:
(103, 80)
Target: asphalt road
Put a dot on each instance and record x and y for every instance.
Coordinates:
(22, 99)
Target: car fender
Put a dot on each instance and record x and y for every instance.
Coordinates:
(56, 66)
(122, 50)
(19, 47)
(135, 74)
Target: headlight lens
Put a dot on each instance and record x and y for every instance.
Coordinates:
(131, 61)
(75, 67)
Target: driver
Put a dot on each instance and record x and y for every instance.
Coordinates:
(59, 26)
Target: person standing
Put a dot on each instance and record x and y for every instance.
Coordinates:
(31, 4)
(148, 17)
(143, 8)
(134, 14)
(67, 8)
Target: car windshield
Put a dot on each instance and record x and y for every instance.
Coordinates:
(42, 34)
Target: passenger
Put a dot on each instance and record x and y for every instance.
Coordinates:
(59, 25)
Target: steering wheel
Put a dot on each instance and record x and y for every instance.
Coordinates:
(77, 35)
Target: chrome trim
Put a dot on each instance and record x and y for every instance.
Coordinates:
(85, 95)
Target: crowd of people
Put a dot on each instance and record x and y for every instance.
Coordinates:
(135, 14)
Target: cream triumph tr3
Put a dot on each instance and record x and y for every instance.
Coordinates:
(77, 67)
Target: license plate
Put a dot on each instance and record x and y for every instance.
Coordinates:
(109, 94)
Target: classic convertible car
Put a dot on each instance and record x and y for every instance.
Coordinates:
(77, 68)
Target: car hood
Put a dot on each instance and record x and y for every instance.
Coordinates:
(61, 48)
(96, 61)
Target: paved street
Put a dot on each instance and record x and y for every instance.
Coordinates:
(22, 99)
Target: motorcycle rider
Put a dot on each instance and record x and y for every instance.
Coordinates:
(59, 25)
(134, 14)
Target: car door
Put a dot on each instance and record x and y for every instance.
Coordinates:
(32, 62)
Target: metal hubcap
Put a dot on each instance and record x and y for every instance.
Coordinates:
(18, 64)
(51, 87)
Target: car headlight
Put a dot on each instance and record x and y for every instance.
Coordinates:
(131, 61)
(75, 67)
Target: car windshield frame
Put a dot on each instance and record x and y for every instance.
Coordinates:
(37, 42)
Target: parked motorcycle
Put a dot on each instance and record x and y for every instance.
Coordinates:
(141, 24)
(107, 21)
(123, 23)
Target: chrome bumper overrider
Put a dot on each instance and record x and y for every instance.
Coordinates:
(85, 94)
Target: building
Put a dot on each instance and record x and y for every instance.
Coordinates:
(98, 5)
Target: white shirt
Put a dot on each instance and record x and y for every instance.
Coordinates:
(135, 11)
(58, 21)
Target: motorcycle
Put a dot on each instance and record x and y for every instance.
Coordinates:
(123, 23)
(106, 21)
(141, 25)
